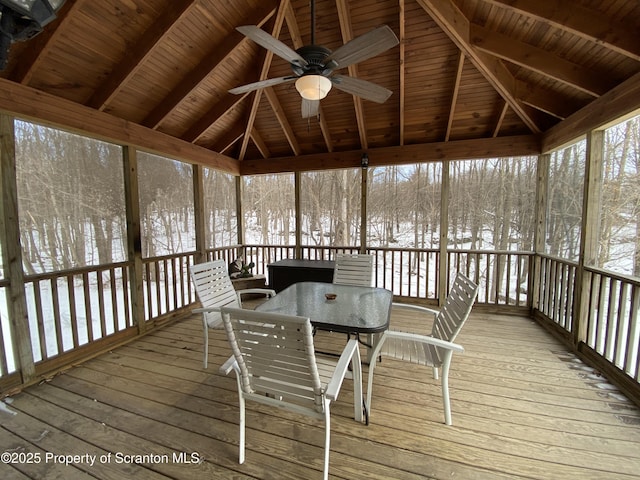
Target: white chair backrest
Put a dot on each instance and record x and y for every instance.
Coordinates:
(214, 288)
(353, 269)
(456, 309)
(275, 356)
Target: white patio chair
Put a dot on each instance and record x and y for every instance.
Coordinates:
(433, 350)
(275, 364)
(353, 269)
(215, 290)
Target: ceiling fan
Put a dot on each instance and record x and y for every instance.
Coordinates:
(314, 65)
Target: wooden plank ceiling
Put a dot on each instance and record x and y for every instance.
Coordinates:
(464, 70)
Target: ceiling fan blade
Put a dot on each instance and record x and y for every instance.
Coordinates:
(310, 108)
(272, 44)
(361, 88)
(270, 82)
(363, 47)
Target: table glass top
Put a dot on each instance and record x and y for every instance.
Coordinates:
(354, 310)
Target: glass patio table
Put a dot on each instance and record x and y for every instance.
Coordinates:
(355, 310)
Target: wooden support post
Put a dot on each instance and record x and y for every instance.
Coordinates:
(199, 220)
(589, 235)
(134, 241)
(297, 202)
(12, 252)
(540, 234)
(239, 212)
(443, 267)
(363, 210)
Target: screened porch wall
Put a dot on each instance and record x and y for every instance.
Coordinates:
(157, 289)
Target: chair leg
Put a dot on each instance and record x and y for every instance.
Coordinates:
(327, 438)
(242, 427)
(445, 388)
(206, 345)
(374, 354)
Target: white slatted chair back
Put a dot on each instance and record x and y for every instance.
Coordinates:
(275, 364)
(215, 290)
(353, 269)
(433, 350)
(453, 314)
(275, 356)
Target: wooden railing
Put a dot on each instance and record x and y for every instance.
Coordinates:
(74, 313)
(554, 296)
(414, 273)
(609, 337)
(613, 319)
(502, 276)
(73, 308)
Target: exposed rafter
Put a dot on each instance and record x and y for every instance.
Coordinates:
(198, 74)
(454, 96)
(284, 5)
(219, 110)
(575, 18)
(132, 62)
(347, 34)
(282, 120)
(539, 60)
(43, 43)
(259, 143)
(449, 17)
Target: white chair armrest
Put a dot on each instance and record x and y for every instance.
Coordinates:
(418, 308)
(205, 310)
(350, 351)
(229, 365)
(267, 291)
(454, 347)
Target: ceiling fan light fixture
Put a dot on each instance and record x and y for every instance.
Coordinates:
(313, 87)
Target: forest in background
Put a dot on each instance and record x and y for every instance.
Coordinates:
(72, 214)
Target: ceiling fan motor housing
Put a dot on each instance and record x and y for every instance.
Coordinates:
(315, 56)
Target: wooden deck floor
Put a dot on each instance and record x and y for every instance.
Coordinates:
(522, 408)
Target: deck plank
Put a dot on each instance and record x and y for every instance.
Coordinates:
(523, 408)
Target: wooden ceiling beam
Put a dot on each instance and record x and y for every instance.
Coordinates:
(546, 100)
(282, 120)
(210, 62)
(266, 65)
(44, 108)
(619, 35)
(207, 120)
(400, 155)
(613, 105)
(344, 17)
(454, 96)
(229, 139)
(540, 61)
(452, 21)
(134, 58)
(41, 45)
(260, 144)
(503, 112)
